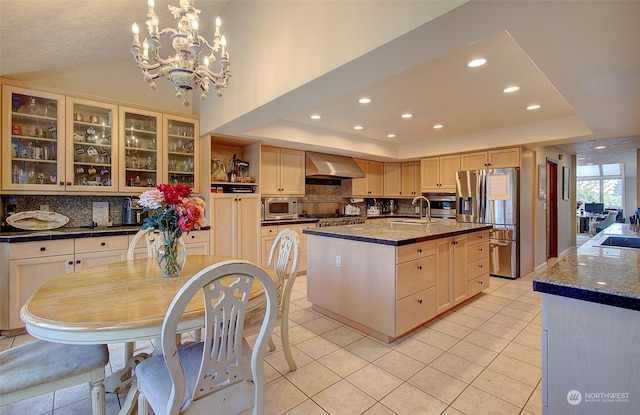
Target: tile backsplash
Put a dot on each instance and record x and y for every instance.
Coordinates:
(78, 209)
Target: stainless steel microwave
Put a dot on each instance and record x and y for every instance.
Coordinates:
(280, 208)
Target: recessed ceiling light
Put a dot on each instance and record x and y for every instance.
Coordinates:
(358, 127)
(533, 107)
(392, 135)
(602, 283)
(315, 117)
(407, 115)
(364, 100)
(438, 126)
(600, 147)
(581, 158)
(476, 62)
(510, 89)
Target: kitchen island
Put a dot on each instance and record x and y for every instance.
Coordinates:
(591, 327)
(386, 279)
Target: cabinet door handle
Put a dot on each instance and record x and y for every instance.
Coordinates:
(42, 249)
(419, 250)
(103, 244)
(68, 183)
(193, 237)
(60, 183)
(480, 249)
(70, 263)
(78, 261)
(420, 301)
(480, 282)
(480, 265)
(420, 267)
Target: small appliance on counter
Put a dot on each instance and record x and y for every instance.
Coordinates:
(132, 212)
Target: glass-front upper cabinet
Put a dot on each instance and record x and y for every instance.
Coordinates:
(32, 140)
(91, 146)
(181, 163)
(140, 145)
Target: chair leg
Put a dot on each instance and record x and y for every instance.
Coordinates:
(97, 397)
(143, 405)
(272, 344)
(286, 348)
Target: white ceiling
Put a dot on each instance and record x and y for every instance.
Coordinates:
(39, 38)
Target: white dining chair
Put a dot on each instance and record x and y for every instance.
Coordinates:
(153, 241)
(40, 367)
(214, 375)
(284, 260)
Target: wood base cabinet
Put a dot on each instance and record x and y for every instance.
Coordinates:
(235, 226)
(269, 234)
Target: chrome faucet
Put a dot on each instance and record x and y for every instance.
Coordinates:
(421, 198)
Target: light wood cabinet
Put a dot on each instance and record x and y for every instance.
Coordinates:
(235, 226)
(439, 173)
(392, 184)
(33, 133)
(372, 185)
(451, 267)
(32, 263)
(499, 158)
(411, 179)
(196, 243)
(477, 263)
(92, 151)
(282, 171)
(180, 144)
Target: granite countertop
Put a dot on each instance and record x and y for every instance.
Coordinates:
(601, 274)
(69, 233)
(397, 233)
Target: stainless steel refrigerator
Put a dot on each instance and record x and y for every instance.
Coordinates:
(492, 196)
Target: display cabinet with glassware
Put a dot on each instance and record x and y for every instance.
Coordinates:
(140, 145)
(32, 140)
(181, 146)
(91, 146)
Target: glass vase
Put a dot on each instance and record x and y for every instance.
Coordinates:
(171, 256)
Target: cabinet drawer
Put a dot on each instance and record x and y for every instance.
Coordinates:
(416, 275)
(476, 285)
(415, 251)
(415, 310)
(195, 237)
(269, 230)
(106, 243)
(40, 249)
(477, 251)
(477, 237)
(477, 268)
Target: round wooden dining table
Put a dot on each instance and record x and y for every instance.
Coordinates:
(119, 302)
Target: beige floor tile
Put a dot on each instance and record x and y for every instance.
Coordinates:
(524, 306)
(503, 387)
(451, 328)
(278, 361)
(470, 309)
(487, 305)
(298, 334)
(499, 330)
(452, 411)
(534, 404)
(475, 401)
(37, 405)
(525, 316)
(374, 381)
(529, 339)
(378, 409)
(308, 407)
(321, 325)
(509, 322)
(312, 378)
(438, 384)
(524, 353)
(342, 362)
(317, 347)
(419, 351)
(303, 316)
(270, 373)
(368, 348)
(474, 353)
(442, 341)
(399, 364)
(457, 367)
(465, 320)
(343, 398)
(343, 335)
(281, 396)
(516, 369)
(496, 299)
(409, 400)
(486, 340)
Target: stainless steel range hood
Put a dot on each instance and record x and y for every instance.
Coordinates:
(330, 166)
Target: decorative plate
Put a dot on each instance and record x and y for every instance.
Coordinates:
(37, 220)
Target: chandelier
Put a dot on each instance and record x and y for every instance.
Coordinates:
(186, 69)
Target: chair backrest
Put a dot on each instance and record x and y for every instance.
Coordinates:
(284, 264)
(225, 288)
(609, 220)
(153, 241)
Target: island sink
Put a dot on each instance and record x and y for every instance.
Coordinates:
(622, 242)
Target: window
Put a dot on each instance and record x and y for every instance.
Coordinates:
(601, 183)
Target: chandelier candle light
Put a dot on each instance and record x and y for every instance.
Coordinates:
(172, 212)
(186, 70)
